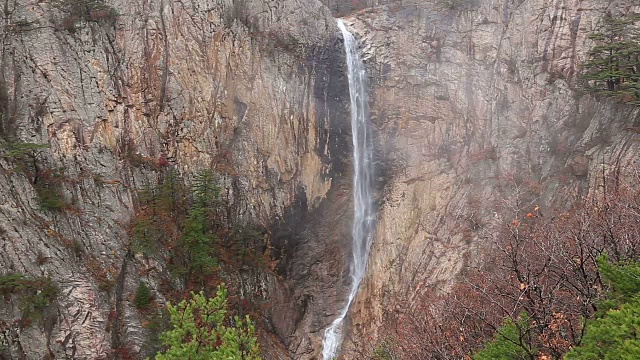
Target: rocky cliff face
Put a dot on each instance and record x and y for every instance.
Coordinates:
(253, 89)
(475, 102)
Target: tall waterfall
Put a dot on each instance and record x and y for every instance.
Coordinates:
(363, 219)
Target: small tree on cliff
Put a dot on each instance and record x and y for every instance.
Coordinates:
(201, 329)
(199, 235)
(613, 67)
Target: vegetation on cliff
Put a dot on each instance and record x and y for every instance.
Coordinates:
(613, 67)
(32, 295)
(28, 159)
(613, 334)
(201, 328)
(551, 285)
(186, 226)
(189, 228)
(77, 11)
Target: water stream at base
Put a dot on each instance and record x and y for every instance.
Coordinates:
(363, 219)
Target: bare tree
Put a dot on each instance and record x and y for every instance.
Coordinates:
(540, 266)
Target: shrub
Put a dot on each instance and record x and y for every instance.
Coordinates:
(189, 229)
(35, 294)
(382, 352)
(105, 276)
(143, 296)
(544, 265)
(202, 328)
(161, 211)
(24, 156)
(458, 4)
(49, 191)
(613, 334)
(179, 226)
(507, 344)
(12, 283)
(7, 120)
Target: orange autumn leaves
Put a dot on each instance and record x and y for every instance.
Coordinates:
(535, 213)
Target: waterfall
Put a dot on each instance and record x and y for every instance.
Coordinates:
(363, 217)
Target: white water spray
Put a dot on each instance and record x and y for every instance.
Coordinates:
(363, 219)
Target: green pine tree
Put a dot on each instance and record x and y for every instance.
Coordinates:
(206, 193)
(201, 329)
(143, 296)
(509, 342)
(198, 242)
(613, 67)
(171, 192)
(613, 337)
(199, 238)
(614, 334)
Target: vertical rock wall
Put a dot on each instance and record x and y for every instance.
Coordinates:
(249, 88)
(474, 101)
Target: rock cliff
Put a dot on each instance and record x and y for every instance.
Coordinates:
(476, 101)
(253, 89)
(472, 101)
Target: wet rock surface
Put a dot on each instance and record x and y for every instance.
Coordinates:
(474, 103)
(252, 89)
(470, 103)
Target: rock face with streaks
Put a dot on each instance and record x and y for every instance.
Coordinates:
(471, 100)
(474, 101)
(254, 89)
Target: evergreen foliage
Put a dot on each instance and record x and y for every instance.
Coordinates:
(202, 329)
(614, 334)
(243, 240)
(198, 239)
(613, 67)
(507, 343)
(623, 281)
(143, 296)
(458, 4)
(171, 193)
(160, 207)
(23, 151)
(26, 158)
(549, 266)
(206, 193)
(35, 295)
(612, 337)
(382, 352)
(181, 226)
(49, 191)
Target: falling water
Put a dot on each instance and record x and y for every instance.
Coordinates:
(363, 219)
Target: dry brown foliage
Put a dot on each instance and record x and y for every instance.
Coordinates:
(540, 262)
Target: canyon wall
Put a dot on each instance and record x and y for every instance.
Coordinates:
(473, 102)
(252, 89)
(477, 104)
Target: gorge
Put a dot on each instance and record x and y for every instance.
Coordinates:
(474, 106)
(363, 173)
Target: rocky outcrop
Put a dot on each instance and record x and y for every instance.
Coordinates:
(472, 100)
(476, 101)
(252, 89)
